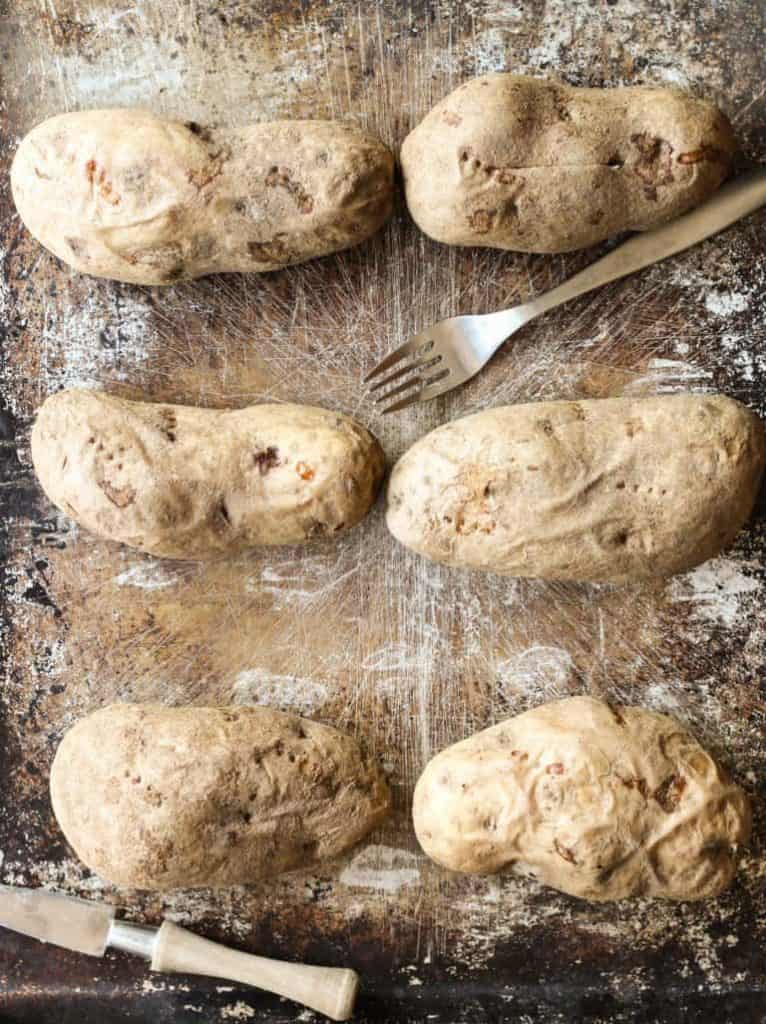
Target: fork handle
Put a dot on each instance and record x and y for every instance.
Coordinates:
(728, 205)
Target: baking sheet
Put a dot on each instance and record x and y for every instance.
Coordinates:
(360, 633)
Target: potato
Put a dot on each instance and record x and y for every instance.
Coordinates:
(130, 196)
(521, 163)
(596, 801)
(181, 482)
(157, 797)
(609, 490)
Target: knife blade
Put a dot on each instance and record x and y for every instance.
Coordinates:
(87, 927)
(50, 917)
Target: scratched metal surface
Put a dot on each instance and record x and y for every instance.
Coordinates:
(359, 633)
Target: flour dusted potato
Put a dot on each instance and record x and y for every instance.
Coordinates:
(134, 197)
(610, 490)
(522, 163)
(597, 801)
(182, 482)
(157, 797)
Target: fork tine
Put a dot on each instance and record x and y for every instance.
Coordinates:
(394, 357)
(411, 400)
(406, 386)
(431, 389)
(421, 367)
(409, 368)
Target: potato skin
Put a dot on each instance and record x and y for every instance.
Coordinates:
(602, 803)
(158, 798)
(182, 482)
(607, 490)
(126, 195)
(520, 163)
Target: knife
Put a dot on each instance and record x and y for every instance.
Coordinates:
(90, 928)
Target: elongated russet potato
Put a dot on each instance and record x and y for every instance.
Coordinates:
(127, 195)
(596, 801)
(609, 490)
(182, 482)
(521, 163)
(158, 798)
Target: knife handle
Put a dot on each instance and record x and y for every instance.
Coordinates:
(330, 990)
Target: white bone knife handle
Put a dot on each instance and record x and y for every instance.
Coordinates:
(329, 990)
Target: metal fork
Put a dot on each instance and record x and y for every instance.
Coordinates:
(454, 350)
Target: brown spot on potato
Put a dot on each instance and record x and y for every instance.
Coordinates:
(78, 247)
(168, 423)
(616, 714)
(119, 496)
(316, 528)
(272, 251)
(451, 118)
(223, 512)
(97, 177)
(505, 176)
(481, 220)
(202, 178)
(696, 156)
(654, 162)
(266, 459)
(668, 793)
(557, 768)
(304, 471)
(199, 130)
(637, 783)
(174, 273)
(281, 177)
(564, 851)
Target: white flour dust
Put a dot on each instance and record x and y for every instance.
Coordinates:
(719, 591)
(381, 867)
(257, 686)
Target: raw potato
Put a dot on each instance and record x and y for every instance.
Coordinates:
(609, 490)
(181, 482)
(127, 195)
(527, 164)
(596, 801)
(158, 798)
